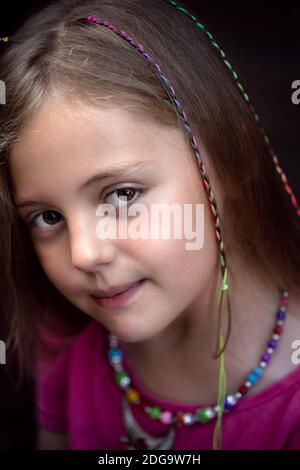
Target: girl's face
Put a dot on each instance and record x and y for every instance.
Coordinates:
(58, 153)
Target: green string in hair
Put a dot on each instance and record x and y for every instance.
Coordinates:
(222, 386)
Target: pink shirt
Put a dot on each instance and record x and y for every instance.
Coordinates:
(78, 396)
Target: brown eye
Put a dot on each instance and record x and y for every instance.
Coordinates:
(125, 195)
(49, 217)
(44, 220)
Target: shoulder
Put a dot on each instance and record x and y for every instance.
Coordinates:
(57, 352)
(65, 380)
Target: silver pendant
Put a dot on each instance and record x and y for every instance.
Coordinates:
(134, 434)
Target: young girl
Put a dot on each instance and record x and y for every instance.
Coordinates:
(139, 342)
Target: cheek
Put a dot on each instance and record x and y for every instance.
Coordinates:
(53, 263)
(169, 263)
(172, 256)
(184, 265)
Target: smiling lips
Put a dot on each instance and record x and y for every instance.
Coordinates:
(120, 297)
(112, 291)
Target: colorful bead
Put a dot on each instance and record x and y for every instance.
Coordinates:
(115, 355)
(273, 343)
(278, 329)
(230, 402)
(179, 419)
(154, 412)
(257, 371)
(188, 418)
(252, 378)
(265, 357)
(133, 396)
(205, 414)
(166, 417)
(122, 378)
(243, 389)
(281, 314)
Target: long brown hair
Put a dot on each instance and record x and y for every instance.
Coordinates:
(53, 53)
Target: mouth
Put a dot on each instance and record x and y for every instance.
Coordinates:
(113, 291)
(119, 298)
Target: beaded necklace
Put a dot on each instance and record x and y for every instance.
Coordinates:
(135, 438)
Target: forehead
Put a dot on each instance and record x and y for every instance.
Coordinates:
(62, 125)
(63, 141)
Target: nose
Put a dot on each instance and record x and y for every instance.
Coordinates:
(88, 252)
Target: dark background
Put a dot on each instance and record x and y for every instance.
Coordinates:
(261, 40)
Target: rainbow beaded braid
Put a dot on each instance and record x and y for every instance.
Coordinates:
(211, 197)
(171, 92)
(201, 415)
(224, 284)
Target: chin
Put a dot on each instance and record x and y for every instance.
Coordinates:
(135, 334)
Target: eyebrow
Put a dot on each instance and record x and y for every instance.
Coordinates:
(123, 169)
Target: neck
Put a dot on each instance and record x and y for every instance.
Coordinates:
(184, 350)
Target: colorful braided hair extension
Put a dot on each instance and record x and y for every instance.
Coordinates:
(221, 344)
(224, 285)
